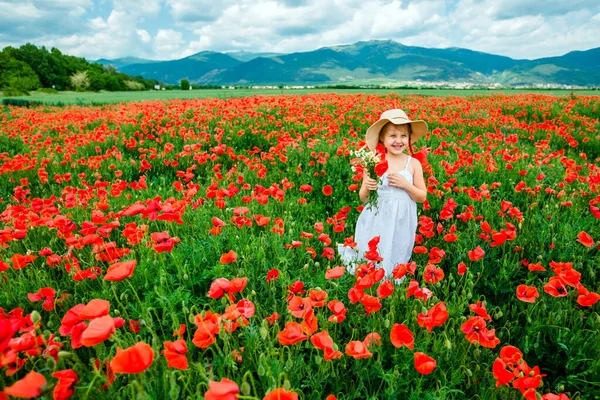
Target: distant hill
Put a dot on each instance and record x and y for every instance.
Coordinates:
(199, 67)
(247, 56)
(376, 62)
(119, 63)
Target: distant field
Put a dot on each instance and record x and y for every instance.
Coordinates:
(118, 97)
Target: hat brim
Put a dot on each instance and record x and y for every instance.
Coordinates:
(418, 127)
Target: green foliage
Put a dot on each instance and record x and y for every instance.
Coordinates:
(185, 84)
(29, 67)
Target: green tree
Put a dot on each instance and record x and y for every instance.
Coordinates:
(114, 83)
(185, 84)
(17, 74)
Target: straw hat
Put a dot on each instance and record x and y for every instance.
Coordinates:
(397, 117)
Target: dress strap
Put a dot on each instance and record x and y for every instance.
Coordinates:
(408, 162)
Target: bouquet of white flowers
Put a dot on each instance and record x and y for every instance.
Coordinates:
(369, 161)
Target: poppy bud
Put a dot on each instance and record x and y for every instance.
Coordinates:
(287, 385)
(261, 370)
(245, 388)
(386, 323)
(448, 344)
(117, 312)
(50, 324)
(191, 318)
(318, 360)
(263, 333)
(64, 354)
(469, 372)
(185, 277)
(35, 317)
(50, 363)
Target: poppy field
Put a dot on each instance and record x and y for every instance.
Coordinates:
(186, 249)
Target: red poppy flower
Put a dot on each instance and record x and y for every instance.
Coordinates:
(527, 294)
(585, 239)
(535, 267)
(218, 288)
(224, 390)
(298, 306)
(21, 261)
(339, 311)
(120, 270)
(423, 363)
(450, 238)
(462, 268)
(132, 360)
(479, 309)
(335, 273)
(228, 257)
(292, 334)
(476, 254)
(64, 388)
(208, 327)
(555, 287)
(475, 331)
(433, 274)
(358, 350)
(385, 289)
(420, 250)
(323, 341)
(400, 336)
(28, 387)
(327, 190)
(586, 298)
(435, 316)
(305, 188)
(502, 375)
(371, 303)
(511, 356)
(94, 309)
(281, 394)
(175, 354)
(98, 331)
(45, 294)
(272, 275)
(317, 297)
(372, 339)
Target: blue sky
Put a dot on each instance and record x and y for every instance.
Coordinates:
(171, 29)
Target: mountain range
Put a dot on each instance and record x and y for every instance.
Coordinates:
(373, 62)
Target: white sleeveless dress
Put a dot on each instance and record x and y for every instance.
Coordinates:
(394, 220)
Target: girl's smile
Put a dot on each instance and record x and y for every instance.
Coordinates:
(395, 139)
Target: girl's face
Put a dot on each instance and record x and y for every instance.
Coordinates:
(395, 139)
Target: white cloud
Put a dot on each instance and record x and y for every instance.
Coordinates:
(144, 35)
(168, 41)
(167, 29)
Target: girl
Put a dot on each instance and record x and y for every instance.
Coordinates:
(394, 219)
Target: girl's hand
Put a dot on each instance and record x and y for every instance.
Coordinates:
(399, 181)
(369, 183)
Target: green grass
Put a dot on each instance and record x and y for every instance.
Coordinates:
(118, 97)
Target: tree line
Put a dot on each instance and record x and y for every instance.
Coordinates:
(31, 68)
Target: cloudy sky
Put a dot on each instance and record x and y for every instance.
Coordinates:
(171, 29)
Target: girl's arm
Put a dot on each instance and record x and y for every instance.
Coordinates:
(368, 184)
(417, 191)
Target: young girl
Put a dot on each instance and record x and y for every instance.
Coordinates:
(394, 219)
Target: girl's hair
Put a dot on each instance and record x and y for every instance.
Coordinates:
(387, 126)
